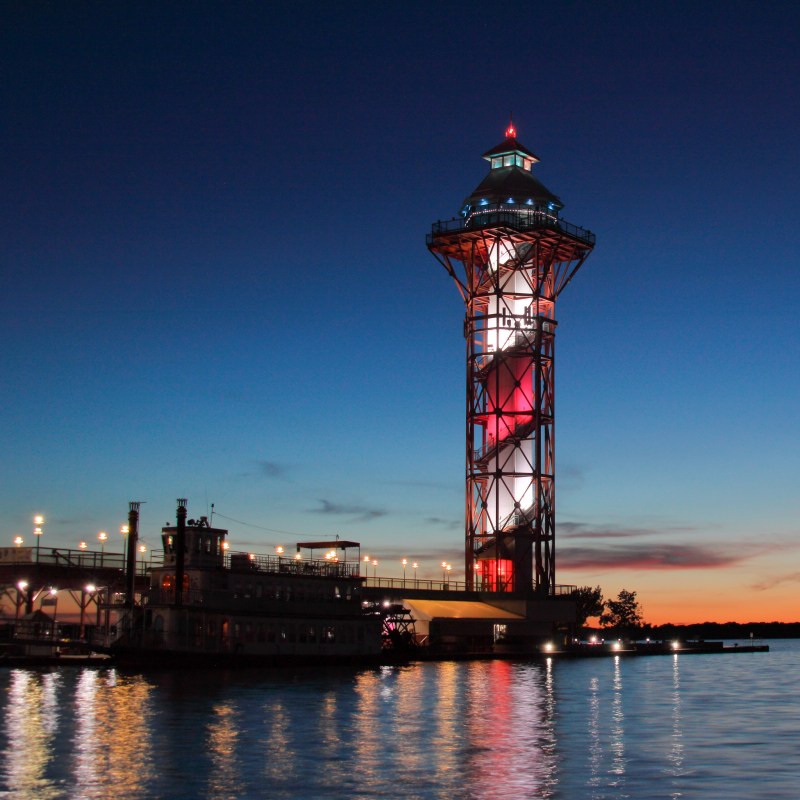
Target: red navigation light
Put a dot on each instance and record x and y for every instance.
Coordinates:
(511, 132)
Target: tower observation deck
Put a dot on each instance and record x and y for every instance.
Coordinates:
(511, 255)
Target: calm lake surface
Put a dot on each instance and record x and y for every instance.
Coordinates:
(701, 726)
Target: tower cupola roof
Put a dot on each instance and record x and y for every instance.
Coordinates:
(510, 181)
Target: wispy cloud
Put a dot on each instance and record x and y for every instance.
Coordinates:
(653, 557)
(358, 513)
(582, 530)
(269, 470)
(272, 470)
(450, 524)
(792, 577)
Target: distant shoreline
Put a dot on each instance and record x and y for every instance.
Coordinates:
(716, 630)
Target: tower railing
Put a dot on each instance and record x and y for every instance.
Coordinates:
(518, 218)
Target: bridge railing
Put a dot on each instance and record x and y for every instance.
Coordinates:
(78, 559)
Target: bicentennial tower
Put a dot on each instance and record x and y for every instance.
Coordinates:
(510, 254)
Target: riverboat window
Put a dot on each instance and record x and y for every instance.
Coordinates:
(337, 593)
(283, 635)
(329, 634)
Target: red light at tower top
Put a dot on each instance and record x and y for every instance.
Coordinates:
(510, 255)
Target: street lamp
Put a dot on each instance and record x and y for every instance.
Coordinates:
(404, 562)
(18, 540)
(374, 569)
(83, 545)
(366, 566)
(414, 567)
(86, 598)
(444, 570)
(38, 521)
(21, 587)
(103, 537)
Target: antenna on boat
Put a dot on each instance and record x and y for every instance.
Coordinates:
(211, 516)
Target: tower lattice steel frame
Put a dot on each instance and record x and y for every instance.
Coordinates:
(510, 255)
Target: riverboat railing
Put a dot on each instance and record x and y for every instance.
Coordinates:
(560, 590)
(251, 562)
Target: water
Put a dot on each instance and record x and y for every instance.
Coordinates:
(702, 726)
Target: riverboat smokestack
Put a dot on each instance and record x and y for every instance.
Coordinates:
(180, 551)
(133, 540)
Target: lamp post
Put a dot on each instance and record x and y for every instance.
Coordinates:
(21, 587)
(143, 554)
(83, 545)
(18, 540)
(38, 521)
(444, 570)
(124, 530)
(103, 537)
(366, 566)
(414, 567)
(375, 570)
(86, 597)
(404, 562)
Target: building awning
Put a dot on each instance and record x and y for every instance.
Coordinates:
(456, 609)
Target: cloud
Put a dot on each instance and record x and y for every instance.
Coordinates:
(582, 530)
(272, 470)
(452, 524)
(792, 577)
(357, 512)
(643, 556)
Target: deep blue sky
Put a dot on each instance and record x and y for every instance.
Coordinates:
(216, 286)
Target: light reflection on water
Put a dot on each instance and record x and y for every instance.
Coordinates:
(601, 729)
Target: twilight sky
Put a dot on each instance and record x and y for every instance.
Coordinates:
(216, 286)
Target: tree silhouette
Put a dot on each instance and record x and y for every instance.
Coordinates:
(588, 603)
(624, 614)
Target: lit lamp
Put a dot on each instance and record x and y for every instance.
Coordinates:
(414, 567)
(103, 537)
(21, 587)
(366, 565)
(444, 570)
(404, 562)
(374, 569)
(124, 530)
(38, 521)
(83, 545)
(86, 598)
(18, 540)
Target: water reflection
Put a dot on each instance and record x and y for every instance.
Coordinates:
(617, 744)
(226, 770)
(676, 751)
(600, 729)
(30, 723)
